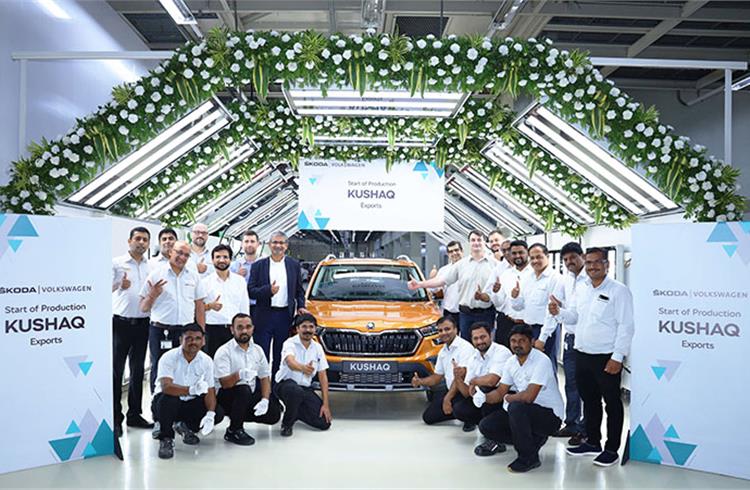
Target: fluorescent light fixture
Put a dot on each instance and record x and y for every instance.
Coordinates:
(373, 14)
(330, 140)
(54, 9)
(179, 11)
(513, 203)
(386, 103)
(256, 193)
(181, 193)
(139, 166)
(741, 83)
(482, 199)
(258, 216)
(500, 155)
(465, 214)
(584, 156)
(215, 204)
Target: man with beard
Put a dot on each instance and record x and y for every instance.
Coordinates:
(482, 375)
(245, 377)
(130, 327)
(499, 245)
(200, 259)
(226, 295)
(244, 263)
(303, 359)
(450, 293)
(450, 364)
(533, 412)
(167, 237)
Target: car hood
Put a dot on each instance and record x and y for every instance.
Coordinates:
(384, 315)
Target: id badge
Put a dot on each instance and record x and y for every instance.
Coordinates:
(166, 344)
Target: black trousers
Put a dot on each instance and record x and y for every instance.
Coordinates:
(170, 409)
(550, 345)
(217, 335)
(238, 403)
(129, 342)
(434, 414)
(271, 326)
(467, 412)
(525, 425)
(593, 386)
(503, 326)
(301, 403)
(155, 337)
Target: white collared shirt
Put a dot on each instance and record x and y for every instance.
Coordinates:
(158, 261)
(508, 277)
(277, 272)
(536, 370)
(183, 373)
(603, 318)
(126, 302)
(450, 293)
(303, 355)
(533, 300)
(492, 361)
(571, 283)
(460, 351)
(231, 357)
(197, 258)
(470, 274)
(176, 303)
(233, 297)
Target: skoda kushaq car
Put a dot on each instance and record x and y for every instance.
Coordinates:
(376, 333)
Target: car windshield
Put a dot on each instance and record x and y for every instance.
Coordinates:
(365, 282)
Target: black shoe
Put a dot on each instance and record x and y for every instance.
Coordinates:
(166, 448)
(156, 431)
(286, 430)
(139, 422)
(188, 436)
(577, 440)
(469, 427)
(118, 430)
(565, 432)
(519, 466)
(488, 448)
(607, 458)
(239, 437)
(584, 449)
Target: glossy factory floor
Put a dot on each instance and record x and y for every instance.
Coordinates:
(377, 440)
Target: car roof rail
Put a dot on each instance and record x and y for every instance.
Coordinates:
(404, 257)
(330, 257)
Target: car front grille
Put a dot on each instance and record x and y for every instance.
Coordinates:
(353, 343)
(371, 378)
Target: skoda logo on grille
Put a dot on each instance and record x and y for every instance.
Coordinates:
(370, 325)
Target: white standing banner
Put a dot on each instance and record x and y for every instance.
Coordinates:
(690, 396)
(364, 196)
(56, 349)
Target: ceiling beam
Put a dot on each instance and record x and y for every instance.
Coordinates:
(644, 30)
(707, 80)
(668, 52)
(624, 11)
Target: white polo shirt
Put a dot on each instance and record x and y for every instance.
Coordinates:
(469, 274)
(126, 302)
(502, 299)
(303, 355)
(277, 272)
(233, 297)
(492, 361)
(196, 258)
(536, 370)
(231, 357)
(533, 300)
(450, 292)
(158, 261)
(571, 283)
(460, 351)
(174, 365)
(176, 303)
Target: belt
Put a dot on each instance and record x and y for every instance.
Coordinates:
(132, 321)
(219, 325)
(280, 308)
(475, 311)
(165, 326)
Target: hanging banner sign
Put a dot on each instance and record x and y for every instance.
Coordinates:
(56, 348)
(364, 196)
(689, 399)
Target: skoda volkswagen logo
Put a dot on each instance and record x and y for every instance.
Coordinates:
(370, 325)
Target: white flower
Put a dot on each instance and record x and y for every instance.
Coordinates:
(648, 131)
(383, 55)
(132, 119)
(611, 114)
(112, 119)
(620, 101)
(290, 54)
(275, 50)
(408, 65)
(368, 47)
(455, 48)
(628, 133)
(421, 43)
(434, 61)
(694, 188)
(24, 194)
(279, 66)
(567, 97)
(182, 58)
(27, 206)
(235, 68)
(665, 158)
(340, 43)
(88, 149)
(285, 38)
(627, 115)
(150, 108)
(325, 54)
(486, 44)
(347, 54)
(132, 104)
(155, 82)
(292, 66)
(336, 59)
(123, 130)
(472, 54)
(156, 96)
(503, 49)
(651, 156)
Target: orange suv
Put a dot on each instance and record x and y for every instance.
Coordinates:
(375, 332)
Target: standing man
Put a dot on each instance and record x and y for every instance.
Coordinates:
(245, 377)
(451, 363)
(226, 295)
(244, 264)
(471, 273)
(185, 394)
(167, 237)
(497, 242)
(303, 359)
(534, 411)
(130, 327)
(276, 286)
(603, 314)
(450, 293)
(200, 258)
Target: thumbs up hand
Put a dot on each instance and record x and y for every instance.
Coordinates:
(274, 288)
(516, 290)
(416, 382)
(554, 305)
(125, 283)
(496, 287)
(216, 306)
(478, 293)
(202, 267)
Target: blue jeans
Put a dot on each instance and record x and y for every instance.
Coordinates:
(466, 320)
(550, 346)
(573, 411)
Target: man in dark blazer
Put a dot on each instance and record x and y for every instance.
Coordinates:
(276, 286)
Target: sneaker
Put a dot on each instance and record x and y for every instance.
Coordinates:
(584, 449)
(519, 466)
(469, 427)
(565, 432)
(166, 448)
(156, 431)
(607, 458)
(188, 436)
(488, 448)
(139, 422)
(577, 440)
(239, 437)
(286, 430)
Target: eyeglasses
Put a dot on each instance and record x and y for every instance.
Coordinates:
(594, 262)
(181, 254)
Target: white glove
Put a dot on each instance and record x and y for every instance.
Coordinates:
(247, 374)
(207, 423)
(261, 407)
(479, 398)
(200, 387)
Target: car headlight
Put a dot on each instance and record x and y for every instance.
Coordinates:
(429, 330)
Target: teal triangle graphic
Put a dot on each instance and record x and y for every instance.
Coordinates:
(104, 439)
(64, 447)
(424, 176)
(15, 244)
(89, 451)
(302, 222)
(318, 213)
(312, 181)
(420, 167)
(2, 219)
(672, 433)
(722, 233)
(23, 227)
(73, 428)
(640, 446)
(322, 222)
(744, 224)
(439, 171)
(85, 366)
(654, 456)
(730, 249)
(680, 451)
(658, 371)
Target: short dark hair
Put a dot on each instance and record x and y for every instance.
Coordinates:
(542, 246)
(447, 318)
(571, 248)
(167, 231)
(522, 330)
(222, 248)
(519, 243)
(241, 315)
(139, 229)
(484, 325)
(476, 232)
(452, 243)
(192, 327)
(598, 250)
(251, 233)
(304, 317)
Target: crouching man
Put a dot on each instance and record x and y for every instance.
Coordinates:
(301, 359)
(185, 394)
(245, 378)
